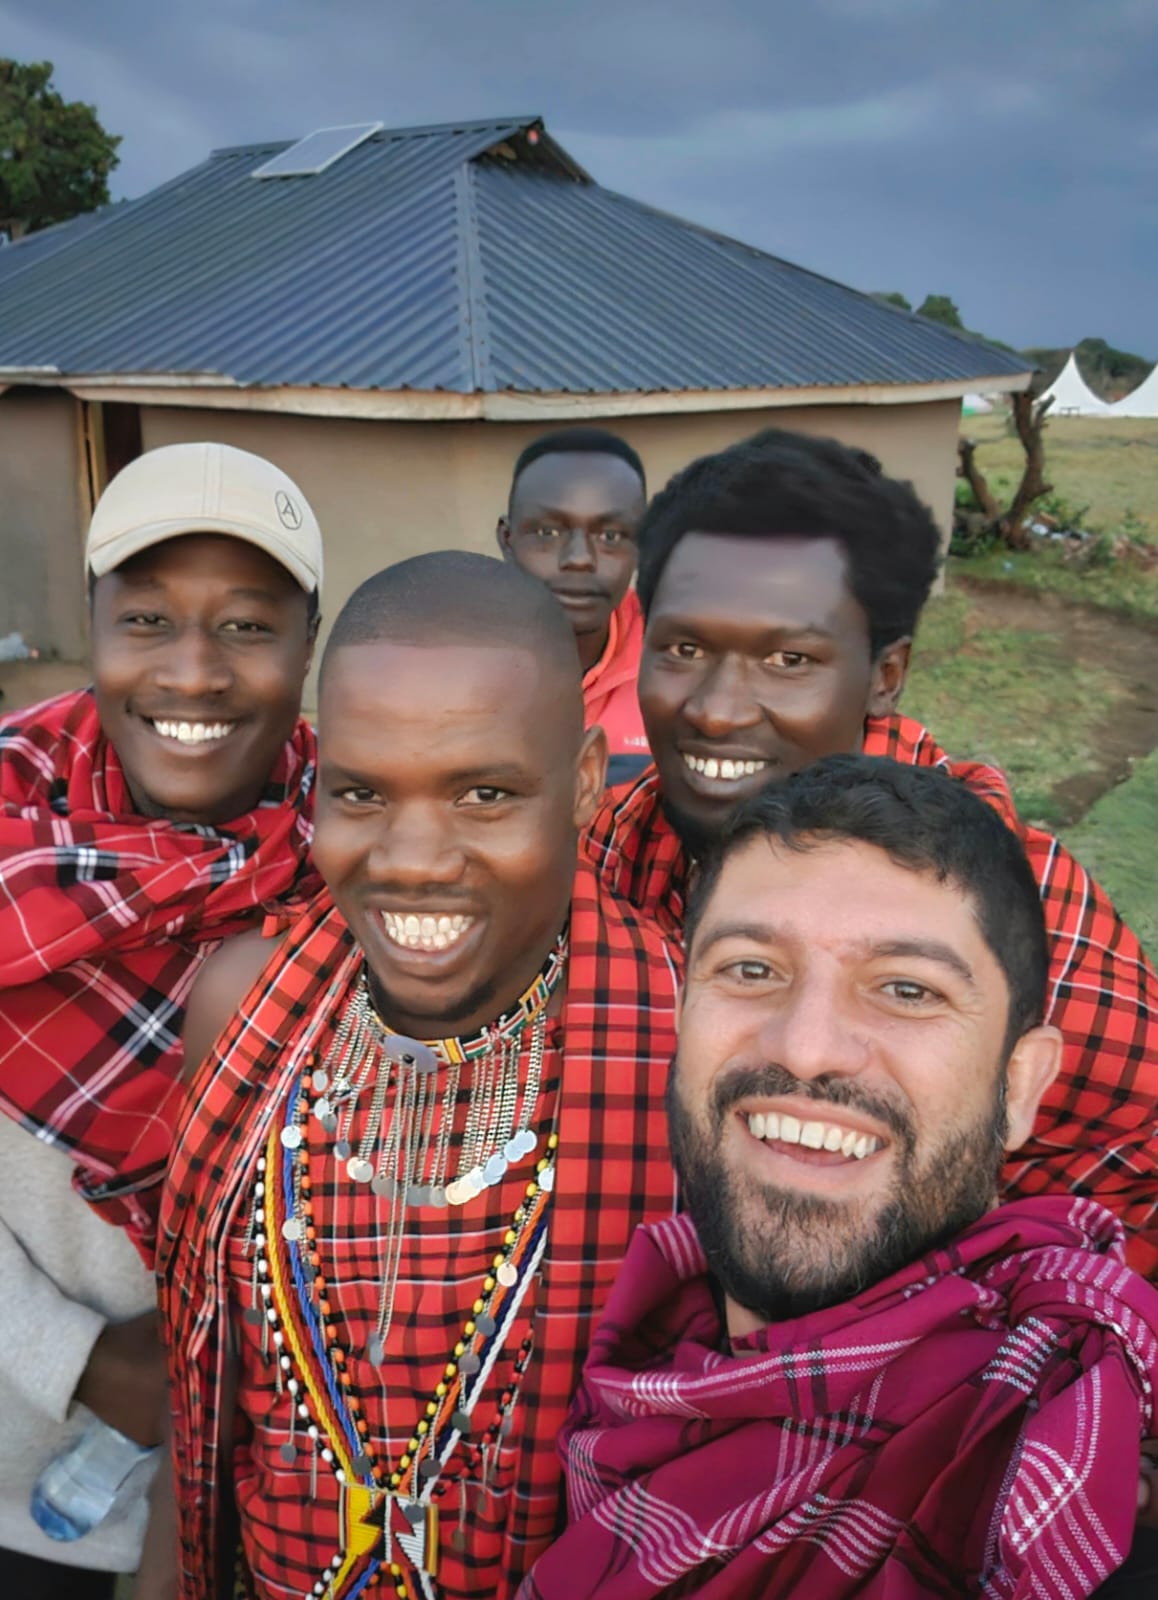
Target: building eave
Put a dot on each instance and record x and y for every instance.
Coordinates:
(214, 392)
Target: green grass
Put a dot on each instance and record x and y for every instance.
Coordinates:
(1118, 587)
(1016, 697)
(1116, 841)
(1105, 480)
(1111, 468)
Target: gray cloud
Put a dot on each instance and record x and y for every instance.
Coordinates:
(1003, 154)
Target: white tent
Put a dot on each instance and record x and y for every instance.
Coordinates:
(1071, 396)
(976, 405)
(1140, 402)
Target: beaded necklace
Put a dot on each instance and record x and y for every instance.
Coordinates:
(388, 1518)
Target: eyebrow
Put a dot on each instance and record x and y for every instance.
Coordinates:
(549, 514)
(484, 777)
(242, 592)
(925, 949)
(773, 630)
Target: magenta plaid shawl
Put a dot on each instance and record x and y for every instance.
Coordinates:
(104, 917)
(970, 1426)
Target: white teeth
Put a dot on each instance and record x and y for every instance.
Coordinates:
(424, 933)
(194, 732)
(730, 771)
(787, 1129)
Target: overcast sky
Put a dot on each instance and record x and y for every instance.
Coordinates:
(1003, 152)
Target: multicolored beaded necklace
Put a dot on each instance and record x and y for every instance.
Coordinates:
(389, 1517)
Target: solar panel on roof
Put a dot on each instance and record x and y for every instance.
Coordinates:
(317, 151)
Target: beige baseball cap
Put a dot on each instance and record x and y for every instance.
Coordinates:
(205, 488)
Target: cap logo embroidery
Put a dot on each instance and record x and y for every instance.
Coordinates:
(287, 510)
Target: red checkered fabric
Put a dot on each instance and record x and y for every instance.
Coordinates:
(105, 916)
(606, 1076)
(1097, 1130)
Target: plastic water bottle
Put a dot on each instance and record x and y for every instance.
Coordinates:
(78, 1489)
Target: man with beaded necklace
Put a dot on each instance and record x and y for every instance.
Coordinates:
(411, 1162)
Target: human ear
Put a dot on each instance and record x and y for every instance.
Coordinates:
(1032, 1067)
(503, 535)
(590, 775)
(888, 677)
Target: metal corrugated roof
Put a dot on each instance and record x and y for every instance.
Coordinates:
(476, 257)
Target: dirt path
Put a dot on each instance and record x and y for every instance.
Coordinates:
(1127, 649)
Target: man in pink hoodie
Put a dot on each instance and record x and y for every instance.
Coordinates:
(577, 497)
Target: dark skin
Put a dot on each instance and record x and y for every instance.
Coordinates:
(571, 523)
(124, 1382)
(451, 787)
(211, 632)
(209, 635)
(757, 659)
(450, 777)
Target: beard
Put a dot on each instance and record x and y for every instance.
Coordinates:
(781, 1253)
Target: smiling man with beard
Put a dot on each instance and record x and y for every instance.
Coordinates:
(782, 582)
(848, 1370)
(411, 1163)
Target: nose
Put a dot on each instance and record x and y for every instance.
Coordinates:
(416, 846)
(193, 665)
(577, 554)
(810, 1031)
(722, 701)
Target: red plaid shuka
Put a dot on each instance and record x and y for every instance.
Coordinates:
(613, 1171)
(1097, 1130)
(970, 1426)
(104, 917)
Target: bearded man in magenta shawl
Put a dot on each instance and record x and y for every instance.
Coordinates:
(846, 1369)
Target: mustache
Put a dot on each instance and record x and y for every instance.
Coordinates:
(773, 1080)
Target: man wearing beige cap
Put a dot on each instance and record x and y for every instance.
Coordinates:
(143, 820)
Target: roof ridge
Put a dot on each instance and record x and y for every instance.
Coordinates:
(417, 131)
(472, 276)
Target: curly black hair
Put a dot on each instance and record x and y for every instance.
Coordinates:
(790, 485)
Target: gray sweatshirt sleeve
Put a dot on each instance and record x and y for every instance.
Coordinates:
(37, 1319)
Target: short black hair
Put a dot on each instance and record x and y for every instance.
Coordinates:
(578, 441)
(791, 485)
(458, 596)
(922, 819)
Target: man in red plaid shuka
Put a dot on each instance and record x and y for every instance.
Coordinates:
(149, 817)
(408, 1169)
(782, 580)
(143, 820)
(847, 1372)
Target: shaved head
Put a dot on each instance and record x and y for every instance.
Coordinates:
(454, 779)
(457, 597)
